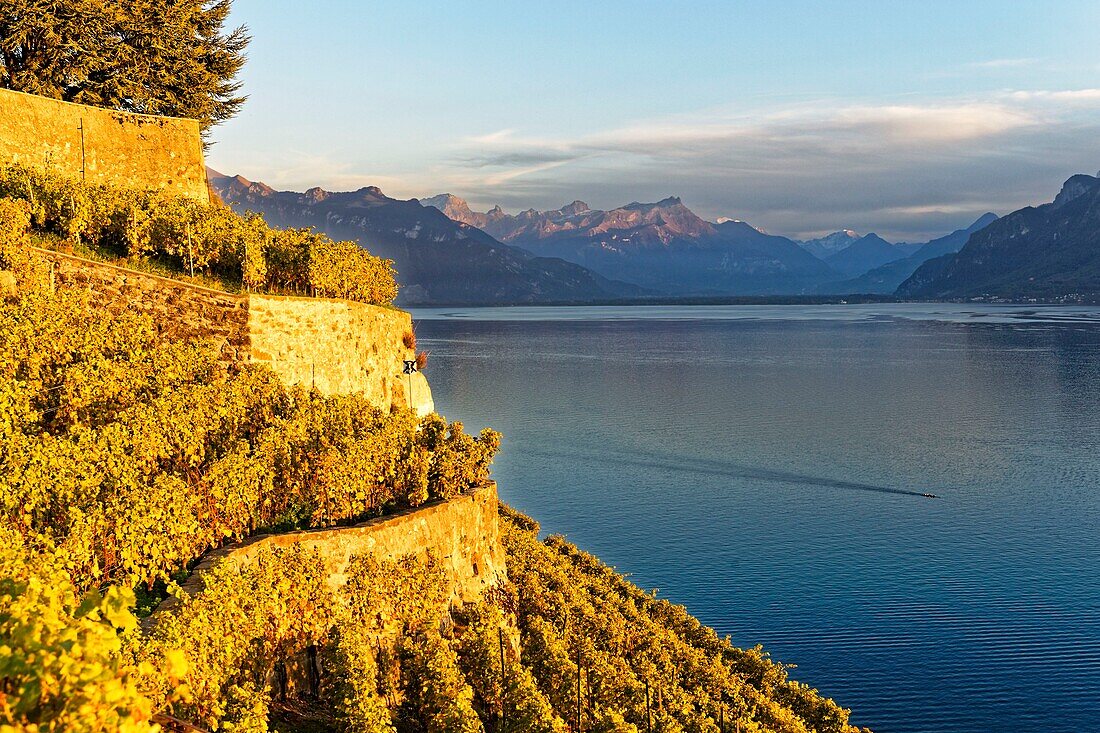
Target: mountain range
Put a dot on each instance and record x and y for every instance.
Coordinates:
(1048, 252)
(438, 260)
(866, 253)
(662, 246)
(446, 253)
(830, 244)
(884, 280)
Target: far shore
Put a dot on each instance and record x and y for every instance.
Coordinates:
(861, 299)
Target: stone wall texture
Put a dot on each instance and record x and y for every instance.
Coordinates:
(464, 533)
(180, 311)
(336, 345)
(140, 151)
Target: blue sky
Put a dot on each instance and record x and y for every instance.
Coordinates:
(905, 118)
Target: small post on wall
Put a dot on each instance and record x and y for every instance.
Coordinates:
(410, 369)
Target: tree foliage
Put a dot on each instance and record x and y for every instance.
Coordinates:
(62, 666)
(162, 57)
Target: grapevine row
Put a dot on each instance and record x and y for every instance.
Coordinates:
(189, 236)
(136, 456)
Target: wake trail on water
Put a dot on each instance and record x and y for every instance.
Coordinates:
(732, 469)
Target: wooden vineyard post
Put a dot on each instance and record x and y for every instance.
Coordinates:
(648, 717)
(579, 685)
(503, 680)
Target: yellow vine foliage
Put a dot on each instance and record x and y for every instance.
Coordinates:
(15, 225)
(188, 235)
(136, 456)
(123, 459)
(233, 632)
(62, 666)
(398, 658)
(569, 602)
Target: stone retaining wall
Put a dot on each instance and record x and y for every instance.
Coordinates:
(337, 346)
(464, 533)
(180, 311)
(103, 145)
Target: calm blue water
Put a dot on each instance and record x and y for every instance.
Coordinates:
(762, 465)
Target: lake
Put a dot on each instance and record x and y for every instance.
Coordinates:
(765, 465)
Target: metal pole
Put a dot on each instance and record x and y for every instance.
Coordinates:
(83, 159)
(591, 699)
(190, 256)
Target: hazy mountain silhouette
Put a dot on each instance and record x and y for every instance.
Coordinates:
(663, 246)
(438, 260)
(886, 278)
(1047, 252)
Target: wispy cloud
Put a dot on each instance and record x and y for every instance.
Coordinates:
(906, 169)
(909, 169)
(533, 157)
(1013, 63)
(1081, 96)
(296, 169)
(493, 137)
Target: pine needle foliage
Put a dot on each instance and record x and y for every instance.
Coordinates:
(161, 57)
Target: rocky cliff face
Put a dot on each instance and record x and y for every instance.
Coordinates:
(458, 210)
(1049, 252)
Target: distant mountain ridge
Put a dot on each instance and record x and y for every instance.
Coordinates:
(458, 210)
(446, 253)
(830, 244)
(663, 246)
(1049, 252)
(866, 253)
(662, 221)
(885, 279)
(439, 261)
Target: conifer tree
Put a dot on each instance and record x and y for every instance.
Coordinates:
(165, 57)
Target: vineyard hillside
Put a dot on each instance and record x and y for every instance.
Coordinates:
(336, 346)
(196, 536)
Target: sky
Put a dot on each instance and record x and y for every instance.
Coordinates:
(907, 118)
